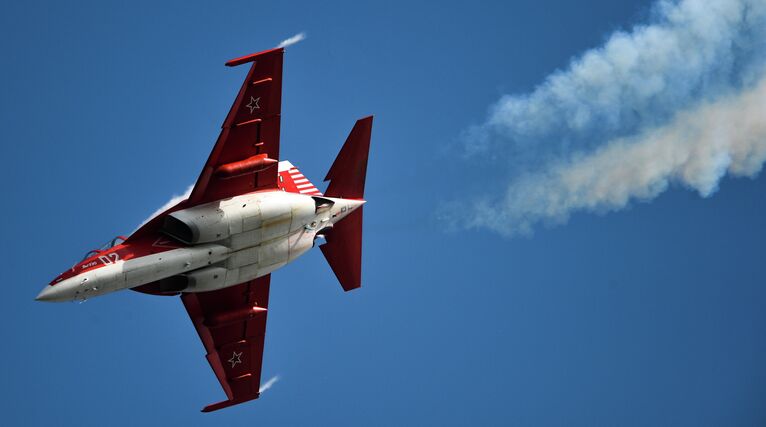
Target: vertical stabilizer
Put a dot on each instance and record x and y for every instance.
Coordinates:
(343, 249)
(349, 170)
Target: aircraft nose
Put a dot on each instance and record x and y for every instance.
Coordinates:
(45, 294)
(52, 294)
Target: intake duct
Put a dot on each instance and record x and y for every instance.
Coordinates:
(201, 224)
(178, 229)
(202, 280)
(173, 283)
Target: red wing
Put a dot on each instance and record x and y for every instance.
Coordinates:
(241, 160)
(244, 157)
(232, 324)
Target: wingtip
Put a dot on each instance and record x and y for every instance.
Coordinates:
(226, 403)
(252, 57)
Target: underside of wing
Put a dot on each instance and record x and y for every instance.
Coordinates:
(246, 153)
(245, 156)
(232, 324)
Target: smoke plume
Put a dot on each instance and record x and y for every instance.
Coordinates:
(268, 384)
(678, 101)
(170, 203)
(292, 40)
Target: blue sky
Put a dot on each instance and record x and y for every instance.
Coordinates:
(650, 315)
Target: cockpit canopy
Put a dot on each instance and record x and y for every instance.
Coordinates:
(105, 247)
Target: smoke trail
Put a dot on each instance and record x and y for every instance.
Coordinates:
(170, 203)
(268, 384)
(292, 40)
(675, 101)
(695, 149)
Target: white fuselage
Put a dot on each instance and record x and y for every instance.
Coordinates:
(230, 241)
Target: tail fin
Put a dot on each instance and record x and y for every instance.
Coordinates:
(349, 170)
(343, 249)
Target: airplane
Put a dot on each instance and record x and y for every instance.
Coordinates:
(248, 215)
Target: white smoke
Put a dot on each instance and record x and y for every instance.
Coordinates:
(268, 384)
(292, 40)
(695, 149)
(170, 203)
(677, 101)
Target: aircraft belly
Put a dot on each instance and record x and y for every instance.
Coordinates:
(266, 231)
(266, 253)
(246, 239)
(277, 226)
(155, 267)
(250, 272)
(299, 243)
(253, 262)
(243, 257)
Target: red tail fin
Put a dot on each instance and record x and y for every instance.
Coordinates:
(343, 249)
(349, 170)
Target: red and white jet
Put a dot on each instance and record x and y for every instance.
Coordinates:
(248, 215)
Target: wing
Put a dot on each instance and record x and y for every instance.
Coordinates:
(232, 324)
(245, 155)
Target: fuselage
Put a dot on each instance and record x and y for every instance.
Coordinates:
(207, 247)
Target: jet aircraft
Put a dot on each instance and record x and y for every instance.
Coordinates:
(248, 215)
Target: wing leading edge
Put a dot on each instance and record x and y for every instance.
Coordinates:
(232, 325)
(244, 158)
